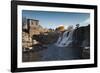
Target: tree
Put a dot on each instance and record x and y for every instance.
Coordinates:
(60, 28)
(24, 23)
(77, 26)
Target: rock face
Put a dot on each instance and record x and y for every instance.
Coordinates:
(46, 38)
(81, 36)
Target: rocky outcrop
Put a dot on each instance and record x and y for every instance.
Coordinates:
(81, 36)
(46, 38)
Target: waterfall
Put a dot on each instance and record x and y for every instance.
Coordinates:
(65, 39)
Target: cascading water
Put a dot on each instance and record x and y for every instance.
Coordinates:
(65, 39)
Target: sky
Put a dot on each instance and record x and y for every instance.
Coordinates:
(50, 19)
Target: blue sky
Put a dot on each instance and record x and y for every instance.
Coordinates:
(49, 19)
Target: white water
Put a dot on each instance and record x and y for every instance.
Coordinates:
(65, 39)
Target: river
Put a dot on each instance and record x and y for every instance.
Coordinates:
(54, 52)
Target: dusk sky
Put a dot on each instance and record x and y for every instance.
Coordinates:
(49, 19)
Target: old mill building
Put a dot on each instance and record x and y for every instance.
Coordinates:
(31, 27)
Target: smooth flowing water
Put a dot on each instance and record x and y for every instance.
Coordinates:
(65, 39)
